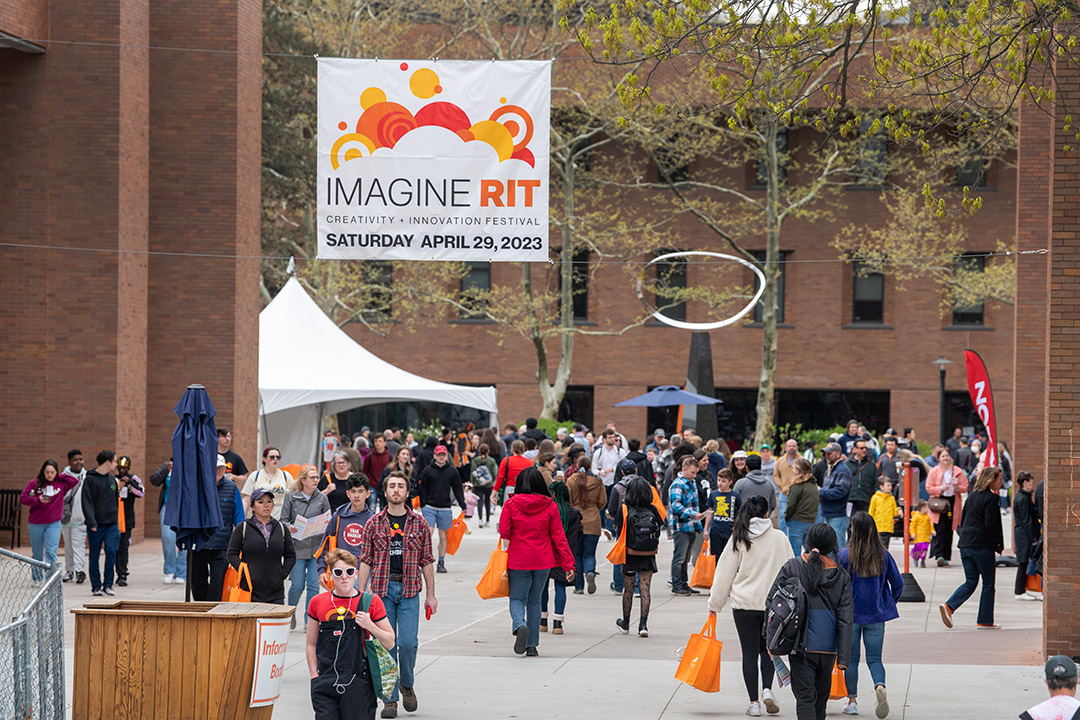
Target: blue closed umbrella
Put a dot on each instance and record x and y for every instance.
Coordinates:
(192, 508)
(668, 396)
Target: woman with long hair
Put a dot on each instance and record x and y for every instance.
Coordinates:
(826, 637)
(531, 523)
(332, 483)
(744, 575)
(571, 523)
(304, 500)
(947, 481)
(644, 527)
(981, 539)
(876, 585)
(802, 503)
(495, 448)
(589, 497)
(44, 495)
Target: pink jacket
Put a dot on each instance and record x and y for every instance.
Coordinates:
(46, 513)
(532, 525)
(934, 487)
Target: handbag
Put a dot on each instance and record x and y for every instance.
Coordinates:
(617, 554)
(939, 504)
(231, 590)
(455, 534)
(700, 664)
(838, 689)
(381, 664)
(704, 568)
(495, 582)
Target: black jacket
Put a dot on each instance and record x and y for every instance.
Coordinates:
(863, 480)
(157, 479)
(437, 483)
(269, 563)
(100, 498)
(425, 457)
(1024, 524)
(980, 524)
(830, 611)
(536, 434)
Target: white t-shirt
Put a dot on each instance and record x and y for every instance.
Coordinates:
(1059, 707)
(277, 484)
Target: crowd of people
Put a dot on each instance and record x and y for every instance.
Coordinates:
(819, 524)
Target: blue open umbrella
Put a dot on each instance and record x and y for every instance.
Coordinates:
(192, 509)
(667, 396)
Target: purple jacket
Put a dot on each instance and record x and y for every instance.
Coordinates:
(46, 513)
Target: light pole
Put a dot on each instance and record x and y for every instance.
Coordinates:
(941, 362)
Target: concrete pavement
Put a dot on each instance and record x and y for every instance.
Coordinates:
(467, 668)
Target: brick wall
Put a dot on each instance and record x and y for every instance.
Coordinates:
(1061, 612)
(25, 19)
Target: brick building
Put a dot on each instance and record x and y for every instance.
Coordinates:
(108, 151)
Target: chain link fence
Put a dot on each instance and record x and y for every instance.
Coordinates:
(31, 639)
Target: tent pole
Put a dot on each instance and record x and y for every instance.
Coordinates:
(187, 577)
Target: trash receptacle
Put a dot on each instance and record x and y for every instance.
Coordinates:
(137, 659)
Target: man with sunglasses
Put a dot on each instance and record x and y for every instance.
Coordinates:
(395, 551)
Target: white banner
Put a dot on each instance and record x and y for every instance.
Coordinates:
(425, 160)
(271, 639)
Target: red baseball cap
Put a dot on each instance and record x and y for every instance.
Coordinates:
(441, 449)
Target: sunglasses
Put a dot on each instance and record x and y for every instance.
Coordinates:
(344, 572)
(273, 457)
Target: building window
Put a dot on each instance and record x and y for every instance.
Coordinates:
(674, 163)
(475, 284)
(971, 173)
(761, 172)
(872, 165)
(379, 279)
(969, 314)
(759, 309)
(868, 296)
(579, 293)
(671, 275)
(577, 405)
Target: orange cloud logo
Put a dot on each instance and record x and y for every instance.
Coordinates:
(508, 129)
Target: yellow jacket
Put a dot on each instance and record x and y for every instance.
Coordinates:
(883, 509)
(921, 527)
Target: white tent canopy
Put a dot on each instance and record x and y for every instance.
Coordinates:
(297, 389)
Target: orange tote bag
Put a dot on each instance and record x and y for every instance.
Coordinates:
(704, 568)
(838, 689)
(455, 533)
(232, 591)
(617, 554)
(700, 664)
(659, 504)
(495, 583)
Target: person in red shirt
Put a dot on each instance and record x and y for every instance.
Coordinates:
(510, 468)
(341, 683)
(531, 523)
(374, 464)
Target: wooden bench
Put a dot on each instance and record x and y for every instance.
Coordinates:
(9, 514)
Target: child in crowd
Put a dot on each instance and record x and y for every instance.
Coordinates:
(884, 510)
(922, 529)
(721, 508)
(471, 499)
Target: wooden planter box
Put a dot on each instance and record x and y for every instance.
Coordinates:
(167, 659)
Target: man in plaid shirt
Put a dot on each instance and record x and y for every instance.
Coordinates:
(395, 548)
(684, 517)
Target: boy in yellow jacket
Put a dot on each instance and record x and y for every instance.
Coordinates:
(921, 532)
(883, 509)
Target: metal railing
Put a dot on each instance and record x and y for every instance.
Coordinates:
(31, 639)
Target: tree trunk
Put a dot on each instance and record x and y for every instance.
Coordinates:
(767, 381)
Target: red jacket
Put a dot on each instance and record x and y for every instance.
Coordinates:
(509, 469)
(532, 525)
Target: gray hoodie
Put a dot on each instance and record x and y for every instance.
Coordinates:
(758, 483)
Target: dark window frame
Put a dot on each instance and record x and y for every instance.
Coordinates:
(872, 172)
(579, 292)
(666, 271)
(382, 272)
(467, 283)
(970, 315)
(861, 311)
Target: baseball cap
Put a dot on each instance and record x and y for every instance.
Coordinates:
(221, 461)
(765, 446)
(1060, 667)
(441, 449)
(833, 447)
(660, 432)
(259, 492)
(738, 454)
(627, 467)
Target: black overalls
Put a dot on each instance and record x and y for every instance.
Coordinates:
(342, 690)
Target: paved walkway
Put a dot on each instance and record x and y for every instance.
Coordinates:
(467, 668)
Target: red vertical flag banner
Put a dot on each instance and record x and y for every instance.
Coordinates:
(978, 381)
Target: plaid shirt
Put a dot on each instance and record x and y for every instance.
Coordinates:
(683, 500)
(375, 552)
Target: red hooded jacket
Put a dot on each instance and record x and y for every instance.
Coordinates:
(532, 525)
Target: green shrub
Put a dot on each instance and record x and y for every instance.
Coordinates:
(549, 427)
(421, 433)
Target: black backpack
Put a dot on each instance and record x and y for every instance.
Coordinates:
(785, 616)
(642, 529)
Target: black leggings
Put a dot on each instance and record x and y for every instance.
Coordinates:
(483, 505)
(941, 546)
(750, 624)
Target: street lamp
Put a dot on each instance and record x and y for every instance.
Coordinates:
(941, 362)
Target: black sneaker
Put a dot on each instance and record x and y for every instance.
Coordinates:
(692, 591)
(623, 624)
(122, 582)
(590, 579)
(531, 652)
(680, 591)
(441, 568)
(642, 631)
(68, 577)
(80, 577)
(521, 636)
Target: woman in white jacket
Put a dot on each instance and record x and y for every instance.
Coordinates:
(744, 575)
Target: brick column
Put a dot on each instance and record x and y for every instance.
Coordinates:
(1034, 168)
(1061, 611)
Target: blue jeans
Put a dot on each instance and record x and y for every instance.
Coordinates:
(175, 561)
(781, 504)
(526, 588)
(840, 525)
(304, 576)
(404, 615)
(796, 531)
(873, 636)
(44, 541)
(560, 598)
(109, 536)
(585, 559)
(978, 562)
(680, 558)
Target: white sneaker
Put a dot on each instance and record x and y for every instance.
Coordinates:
(882, 709)
(850, 709)
(179, 580)
(754, 710)
(769, 701)
(1025, 596)
(167, 580)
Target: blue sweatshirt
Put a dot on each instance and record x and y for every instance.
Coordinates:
(875, 597)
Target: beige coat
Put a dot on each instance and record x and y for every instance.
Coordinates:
(784, 475)
(590, 502)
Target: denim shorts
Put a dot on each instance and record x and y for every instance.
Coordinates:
(441, 518)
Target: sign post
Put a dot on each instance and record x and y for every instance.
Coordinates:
(911, 592)
(271, 640)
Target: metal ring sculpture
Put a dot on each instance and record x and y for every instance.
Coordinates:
(700, 326)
